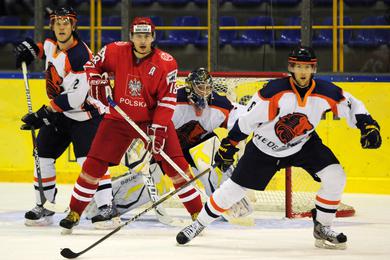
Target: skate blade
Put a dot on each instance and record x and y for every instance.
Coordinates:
(45, 221)
(321, 243)
(109, 224)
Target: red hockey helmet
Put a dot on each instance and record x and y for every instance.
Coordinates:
(142, 25)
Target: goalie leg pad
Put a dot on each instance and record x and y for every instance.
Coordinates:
(129, 193)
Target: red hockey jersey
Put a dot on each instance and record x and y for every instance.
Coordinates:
(144, 88)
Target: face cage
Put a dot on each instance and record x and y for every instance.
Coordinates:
(70, 19)
(200, 97)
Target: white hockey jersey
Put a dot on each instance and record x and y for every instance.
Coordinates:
(66, 82)
(282, 121)
(192, 124)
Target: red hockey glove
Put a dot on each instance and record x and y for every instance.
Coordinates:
(157, 134)
(224, 156)
(100, 87)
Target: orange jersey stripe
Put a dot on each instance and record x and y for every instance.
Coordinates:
(215, 206)
(46, 179)
(329, 202)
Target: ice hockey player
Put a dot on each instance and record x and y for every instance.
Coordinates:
(145, 88)
(70, 117)
(283, 116)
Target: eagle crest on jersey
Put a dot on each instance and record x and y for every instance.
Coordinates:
(135, 87)
(53, 81)
(292, 125)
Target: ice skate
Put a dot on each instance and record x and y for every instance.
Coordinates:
(69, 222)
(189, 232)
(327, 238)
(107, 218)
(38, 216)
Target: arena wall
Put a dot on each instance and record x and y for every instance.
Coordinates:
(368, 171)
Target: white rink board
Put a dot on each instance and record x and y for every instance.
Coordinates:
(272, 237)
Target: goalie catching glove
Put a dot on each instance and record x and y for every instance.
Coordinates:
(224, 157)
(26, 51)
(100, 87)
(36, 120)
(370, 132)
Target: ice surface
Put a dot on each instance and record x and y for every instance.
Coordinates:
(272, 237)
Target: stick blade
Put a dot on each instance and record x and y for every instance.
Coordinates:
(68, 253)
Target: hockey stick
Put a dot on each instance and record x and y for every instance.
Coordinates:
(68, 253)
(44, 201)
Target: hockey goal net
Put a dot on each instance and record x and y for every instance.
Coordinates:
(292, 190)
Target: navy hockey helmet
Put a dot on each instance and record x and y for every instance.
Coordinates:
(64, 13)
(199, 87)
(302, 54)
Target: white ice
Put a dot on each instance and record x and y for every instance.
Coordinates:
(272, 237)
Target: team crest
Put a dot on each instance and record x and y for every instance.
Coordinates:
(165, 56)
(134, 87)
(53, 81)
(292, 125)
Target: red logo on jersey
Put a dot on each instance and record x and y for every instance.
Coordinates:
(165, 56)
(53, 82)
(292, 125)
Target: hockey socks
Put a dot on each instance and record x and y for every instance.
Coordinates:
(82, 194)
(190, 199)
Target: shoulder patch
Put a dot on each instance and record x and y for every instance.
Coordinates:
(78, 56)
(166, 56)
(221, 101)
(274, 87)
(328, 89)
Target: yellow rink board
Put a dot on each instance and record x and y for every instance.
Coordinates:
(368, 171)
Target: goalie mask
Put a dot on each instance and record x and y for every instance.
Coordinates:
(199, 87)
(303, 59)
(63, 16)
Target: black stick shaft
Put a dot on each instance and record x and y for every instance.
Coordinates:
(34, 139)
(68, 253)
